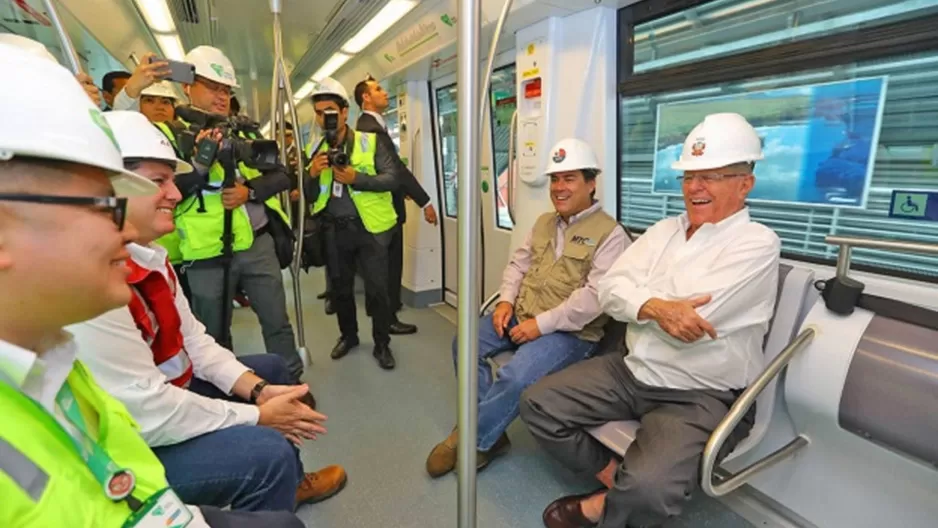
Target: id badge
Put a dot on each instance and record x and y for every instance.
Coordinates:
(163, 510)
(337, 189)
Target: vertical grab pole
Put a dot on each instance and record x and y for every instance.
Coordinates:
(282, 80)
(70, 55)
(469, 138)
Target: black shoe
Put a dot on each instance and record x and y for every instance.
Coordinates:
(330, 310)
(399, 328)
(323, 295)
(344, 346)
(383, 354)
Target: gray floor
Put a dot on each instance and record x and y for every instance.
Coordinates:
(383, 424)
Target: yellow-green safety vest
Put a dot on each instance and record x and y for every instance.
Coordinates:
(198, 235)
(376, 209)
(45, 482)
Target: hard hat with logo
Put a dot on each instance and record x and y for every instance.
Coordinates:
(26, 44)
(160, 89)
(140, 140)
(47, 114)
(330, 86)
(571, 154)
(212, 64)
(718, 141)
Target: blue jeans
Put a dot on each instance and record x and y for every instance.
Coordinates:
(499, 399)
(249, 467)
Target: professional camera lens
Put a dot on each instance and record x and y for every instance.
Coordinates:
(337, 158)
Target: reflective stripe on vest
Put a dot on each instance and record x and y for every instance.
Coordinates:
(376, 209)
(153, 308)
(22, 471)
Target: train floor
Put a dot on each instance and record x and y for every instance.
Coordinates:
(382, 424)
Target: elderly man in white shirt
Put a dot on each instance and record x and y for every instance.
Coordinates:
(698, 291)
(223, 427)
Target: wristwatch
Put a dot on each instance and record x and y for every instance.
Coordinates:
(256, 391)
(252, 196)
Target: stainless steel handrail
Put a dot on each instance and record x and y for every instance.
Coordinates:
(492, 300)
(280, 91)
(847, 243)
(71, 56)
(469, 13)
(719, 436)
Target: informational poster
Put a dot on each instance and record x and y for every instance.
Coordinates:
(819, 140)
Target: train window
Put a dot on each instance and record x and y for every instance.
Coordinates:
(780, 96)
(503, 97)
(448, 123)
(391, 117)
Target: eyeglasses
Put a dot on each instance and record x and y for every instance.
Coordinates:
(707, 178)
(116, 206)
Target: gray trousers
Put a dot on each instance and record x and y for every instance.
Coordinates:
(217, 518)
(257, 271)
(661, 467)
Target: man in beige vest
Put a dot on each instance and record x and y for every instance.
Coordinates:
(548, 313)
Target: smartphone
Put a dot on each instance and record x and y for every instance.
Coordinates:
(181, 72)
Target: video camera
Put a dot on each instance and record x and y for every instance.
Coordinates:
(336, 154)
(258, 153)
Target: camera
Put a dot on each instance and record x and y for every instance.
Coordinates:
(336, 155)
(257, 153)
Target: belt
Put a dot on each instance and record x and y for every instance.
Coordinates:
(263, 230)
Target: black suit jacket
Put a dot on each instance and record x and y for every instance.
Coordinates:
(407, 183)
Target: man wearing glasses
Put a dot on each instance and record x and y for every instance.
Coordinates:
(69, 453)
(698, 291)
(260, 227)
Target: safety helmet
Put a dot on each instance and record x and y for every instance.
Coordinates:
(140, 140)
(212, 64)
(571, 154)
(160, 89)
(718, 141)
(47, 114)
(27, 44)
(330, 86)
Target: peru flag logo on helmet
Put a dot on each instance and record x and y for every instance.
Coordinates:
(697, 149)
(560, 155)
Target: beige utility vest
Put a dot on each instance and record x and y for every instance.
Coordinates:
(550, 281)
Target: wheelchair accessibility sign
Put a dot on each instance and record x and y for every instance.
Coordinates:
(914, 205)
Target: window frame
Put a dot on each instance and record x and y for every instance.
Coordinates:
(439, 133)
(491, 114)
(881, 41)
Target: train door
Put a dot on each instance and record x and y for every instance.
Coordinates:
(493, 178)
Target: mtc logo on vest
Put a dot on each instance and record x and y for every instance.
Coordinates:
(583, 241)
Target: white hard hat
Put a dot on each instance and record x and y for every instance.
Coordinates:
(718, 141)
(212, 64)
(330, 86)
(571, 154)
(27, 44)
(140, 139)
(47, 114)
(160, 89)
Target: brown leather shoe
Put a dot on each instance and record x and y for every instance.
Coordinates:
(442, 458)
(319, 486)
(565, 512)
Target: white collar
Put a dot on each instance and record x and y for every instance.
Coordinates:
(18, 364)
(151, 257)
(738, 218)
(378, 117)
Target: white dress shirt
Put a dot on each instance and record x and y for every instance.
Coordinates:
(735, 262)
(122, 363)
(40, 378)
